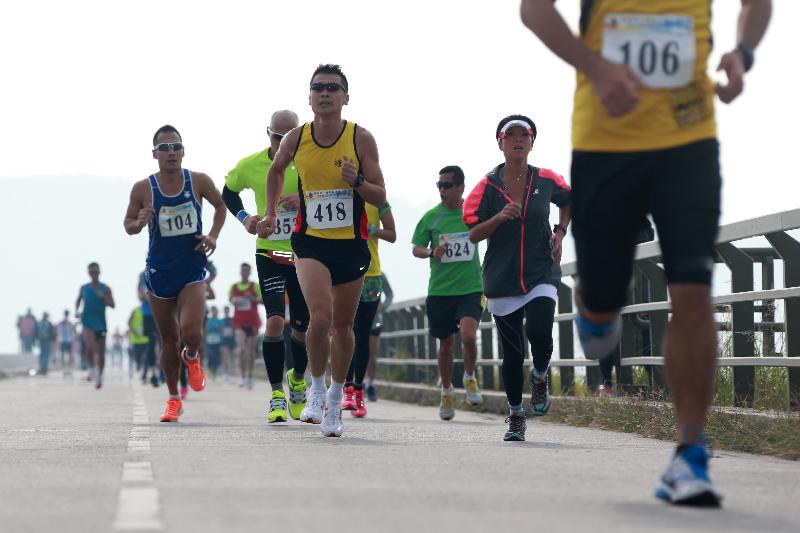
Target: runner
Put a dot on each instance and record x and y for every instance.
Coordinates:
(521, 273)
(214, 341)
(276, 272)
(374, 336)
(644, 140)
(454, 287)
(338, 166)
(169, 203)
(116, 349)
(47, 334)
(65, 331)
(149, 363)
(245, 297)
(368, 304)
(228, 345)
(137, 340)
(96, 297)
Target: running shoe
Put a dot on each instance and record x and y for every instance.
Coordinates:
(516, 428)
(372, 394)
(197, 380)
(332, 425)
(277, 407)
(349, 399)
(472, 392)
(599, 341)
(540, 396)
(686, 481)
(154, 381)
(446, 409)
(297, 395)
(312, 413)
(173, 411)
(184, 392)
(606, 389)
(249, 383)
(99, 381)
(361, 408)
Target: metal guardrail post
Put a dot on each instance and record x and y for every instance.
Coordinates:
(658, 319)
(789, 250)
(743, 322)
(458, 362)
(487, 352)
(566, 340)
(418, 322)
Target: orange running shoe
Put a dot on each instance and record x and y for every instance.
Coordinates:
(173, 411)
(197, 379)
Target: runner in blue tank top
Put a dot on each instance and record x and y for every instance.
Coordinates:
(96, 297)
(169, 203)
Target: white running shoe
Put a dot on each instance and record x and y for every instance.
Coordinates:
(312, 413)
(332, 425)
(471, 391)
(446, 409)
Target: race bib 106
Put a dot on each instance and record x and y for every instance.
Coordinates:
(177, 220)
(329, 209)
(458, 248)
(660, 49)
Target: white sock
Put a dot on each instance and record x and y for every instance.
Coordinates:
(448, 391)
(174, 396)
(516, 409)
(191, 357)
(318, 383)
(335, 392)
(469, 376)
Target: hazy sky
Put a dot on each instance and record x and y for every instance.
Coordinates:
(85, 85)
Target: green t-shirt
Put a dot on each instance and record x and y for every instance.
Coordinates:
(458, 272)
(251, 173)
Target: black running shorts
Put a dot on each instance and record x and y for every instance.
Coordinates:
(445, 312)
(611, 195)
(346, 259)
(275, 280)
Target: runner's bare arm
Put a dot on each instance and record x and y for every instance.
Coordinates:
(277, 170)
(78, 303)
(140, 209)
(373, 189)
(209, 191)
(614, 84)
(752, 25)
(388, 232)
(109, 298)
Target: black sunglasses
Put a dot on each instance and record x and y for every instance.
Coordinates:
(166, 147)
(280, 136)
(445, 184)
(330, 87)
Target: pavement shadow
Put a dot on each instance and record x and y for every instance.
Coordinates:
(655, 513)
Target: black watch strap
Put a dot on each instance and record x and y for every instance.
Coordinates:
(748, 55)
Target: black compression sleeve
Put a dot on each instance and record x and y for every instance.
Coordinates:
(232, 200)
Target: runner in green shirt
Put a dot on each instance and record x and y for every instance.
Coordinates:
(275, 264)
(455, 288)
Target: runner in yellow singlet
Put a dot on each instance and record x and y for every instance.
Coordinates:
(337, 164)
(644, 141)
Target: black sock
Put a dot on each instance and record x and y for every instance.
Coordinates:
(300, 357)
(274, 358)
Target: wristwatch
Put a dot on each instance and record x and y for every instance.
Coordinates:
(748, 55)
(360, 179)
(560, 227)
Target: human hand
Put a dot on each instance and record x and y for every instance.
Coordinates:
(733, 66)
(207, 244)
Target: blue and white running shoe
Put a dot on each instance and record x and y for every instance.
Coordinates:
(686, 482)
(599, 340)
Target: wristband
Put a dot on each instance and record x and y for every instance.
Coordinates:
(430, 252)
(560, 227)
(242, 215)
(748, 55)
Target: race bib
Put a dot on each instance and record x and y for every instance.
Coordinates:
(284, 225)
(227, 331)
(213, 338)
(329, 209)
(660, 49)
(242, 304)
(458, 247)
(177, 220)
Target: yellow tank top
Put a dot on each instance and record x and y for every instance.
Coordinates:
(373, 219)
(666, 43)
(329, 207)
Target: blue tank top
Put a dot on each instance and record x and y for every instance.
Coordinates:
(94, 309)
(174, 228)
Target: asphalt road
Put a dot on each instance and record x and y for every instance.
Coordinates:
(76, 459)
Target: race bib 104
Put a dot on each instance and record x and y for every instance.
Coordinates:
(286, 219)
(177, 220)
(458, 248)
(329, 209)
(660, 49)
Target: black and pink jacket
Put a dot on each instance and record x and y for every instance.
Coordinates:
(518, 256)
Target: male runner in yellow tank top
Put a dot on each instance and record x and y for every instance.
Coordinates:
(337, 164)
(644, 141)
